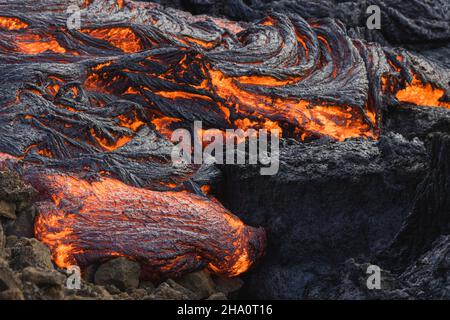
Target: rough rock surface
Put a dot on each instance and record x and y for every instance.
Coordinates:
(14, 193)
(2, 241)
(29, 252)
(333, 201)
(413, 24)
(429, 276)
(426, 278)
(330, 211)
(228, 286)
(9, 285)
(413, 121)
(170, 290)
(27, 272)
(199, 282)
(7, 209)
(329, 265)
(121, 272)
(217, 296)
(23, 225)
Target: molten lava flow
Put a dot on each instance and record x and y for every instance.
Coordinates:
(422, 94)
(98, 104)
(122, 38)
(169, 232)
(10, 23)
(306, 79)
(35, 44)
(338, 122)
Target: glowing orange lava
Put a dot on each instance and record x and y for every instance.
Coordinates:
(122, 38)
(82, 214)
(111, 145)
(10, 23)
(422, 94)
(338, 122)
(35, 44)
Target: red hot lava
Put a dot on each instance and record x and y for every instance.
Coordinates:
(97, 100)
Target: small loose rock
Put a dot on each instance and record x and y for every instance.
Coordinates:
(217, 296)
(43, 277)
(170, 290)
(121, 272)
(199, 282)
(7, 209)
(28, 253)
(23, 225)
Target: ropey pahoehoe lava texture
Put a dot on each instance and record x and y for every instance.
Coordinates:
(92, 108)
(168, 233)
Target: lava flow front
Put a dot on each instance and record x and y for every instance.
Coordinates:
(169, 233)
(93, 108)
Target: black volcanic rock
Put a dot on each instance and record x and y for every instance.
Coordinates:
(120, 272)
(426, 278)
(413, 22)
(430, 216)
(329, 202)
(429, 276)
(414, 121)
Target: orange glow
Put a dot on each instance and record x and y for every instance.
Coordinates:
(130, 123)
(265, 80)
(163, 124)
(422, 94)
(9, 23)
(201, 43)
(245, 124)
(131, 90)
(181, 95)
(53, 89)
(93, 78)
(338, 122)
(302, 41)
(268, 22)
(26, 151)
(122, 38)
(302, 118)
(168, 184)
(36, 44)
(46, 153)
(86, 3)
(101, 65)
(206, 189)
(108, 145)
